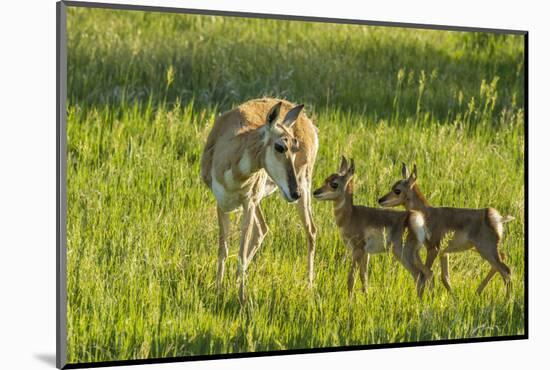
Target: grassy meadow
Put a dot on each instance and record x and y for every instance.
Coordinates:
(143, 92)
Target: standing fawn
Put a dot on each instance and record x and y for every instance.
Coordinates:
(473, 228)
(367, 231)
(249, 153)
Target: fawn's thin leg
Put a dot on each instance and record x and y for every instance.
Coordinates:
(304, 211)
(364, 271)
(246, 234)
(427, 272)
(445, 278)
(432, 252)
(431, 255)
(485, 281)
(400, 254)
(351, 274)
(459, 243)
(223, 247)
(413, 257)
(504, 270)
(312, 241)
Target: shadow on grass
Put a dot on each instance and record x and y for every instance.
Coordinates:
(358, 75)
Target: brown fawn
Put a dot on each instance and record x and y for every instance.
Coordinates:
(367, 231)
(470, 228)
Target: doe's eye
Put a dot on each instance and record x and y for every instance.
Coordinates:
(397, 191)
(280, 148)
(334, 185)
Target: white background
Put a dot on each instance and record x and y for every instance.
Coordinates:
(27, 182)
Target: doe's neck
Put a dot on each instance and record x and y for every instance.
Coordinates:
(255, 149)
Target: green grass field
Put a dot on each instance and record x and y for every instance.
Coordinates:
(143, 92)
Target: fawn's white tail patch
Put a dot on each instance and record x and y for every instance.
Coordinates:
(496, 220)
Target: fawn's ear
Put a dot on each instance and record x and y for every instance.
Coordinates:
(351, 169)
(343, 166)
(292, 116)
(412, 178)
(404, 170)
(273, 114)
(349, 173)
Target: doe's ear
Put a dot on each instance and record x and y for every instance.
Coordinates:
(404, 170)
(292, 116)
(343, 166)
(273, 114)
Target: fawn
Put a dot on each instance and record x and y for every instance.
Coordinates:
(367, 231)
(473, 228)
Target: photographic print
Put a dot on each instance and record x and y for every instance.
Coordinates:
(240, 185)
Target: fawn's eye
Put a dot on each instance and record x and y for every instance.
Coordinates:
(280, 148)
(397, 191)
(334, 185)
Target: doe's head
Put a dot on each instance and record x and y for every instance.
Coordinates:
(401, 190)
(334, 186)
(280, 150)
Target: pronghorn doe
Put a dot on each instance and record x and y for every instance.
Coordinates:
(250, 153)
(478, 228)
(367, 231)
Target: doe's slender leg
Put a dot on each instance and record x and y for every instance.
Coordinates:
(246, 235)
(223, 244)
(304, 211)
